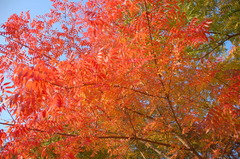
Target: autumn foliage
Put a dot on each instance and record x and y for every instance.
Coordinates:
(116, 77)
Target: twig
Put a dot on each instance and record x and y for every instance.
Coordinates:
(25, 46)
(109, 137)
(116, 85)
(156, 150)
(219, 44)
(142, 155)
(11, 115)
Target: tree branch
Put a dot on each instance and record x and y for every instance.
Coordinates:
(220, 43)
(141, 139)
(182, 139)
(25, 46)
(156, 150)
(139, 113)
(110, 137)
(115, 85)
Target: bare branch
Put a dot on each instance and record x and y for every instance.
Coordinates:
(108, 137)
(156, 150)
(25, 46)
(116, 86)
(219, 44)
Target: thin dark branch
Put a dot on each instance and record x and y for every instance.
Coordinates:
(11, 115)
(220, 43)
(7, 109)
(173, 112)
(138, 91)
(141, 139)
(131, 123)
(116, 86)
(110, 137)
(149, 22)
(6, 124)
(163, 85)
(227, 84)
(38, 130)
(224, 83)
(181, 138)
(139, 113)
(25, 46)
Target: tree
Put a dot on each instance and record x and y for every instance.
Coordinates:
(116, 79)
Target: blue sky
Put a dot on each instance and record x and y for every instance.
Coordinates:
(36, 7)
